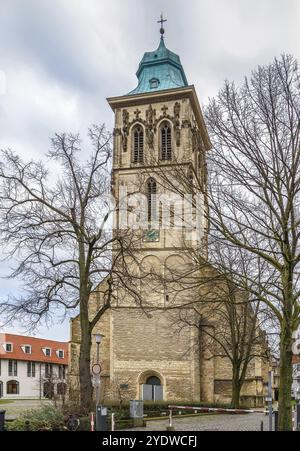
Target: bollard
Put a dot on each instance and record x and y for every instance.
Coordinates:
(92, 422)
(276, 420)
(112, 421)
(2, 420)
(262, 426)
(170, 427)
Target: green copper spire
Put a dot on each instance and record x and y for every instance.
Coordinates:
(160, 69)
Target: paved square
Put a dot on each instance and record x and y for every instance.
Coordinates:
(247, 422)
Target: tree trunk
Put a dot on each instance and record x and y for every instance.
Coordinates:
(86, 388)
(236, 396)
(286, 379)
(236, 389)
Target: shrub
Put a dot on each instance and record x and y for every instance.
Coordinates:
(46, 418)
(85, 424)
(73, 408)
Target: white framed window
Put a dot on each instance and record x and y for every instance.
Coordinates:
(27, 349)
(61, 372)
(30, 369)
(60, 353)
(48, 370)
(8, 347)
(12, 368)
(47, 352)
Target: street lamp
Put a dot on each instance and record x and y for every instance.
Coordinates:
(98, 339)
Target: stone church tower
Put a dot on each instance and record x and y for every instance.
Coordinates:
(159, 125)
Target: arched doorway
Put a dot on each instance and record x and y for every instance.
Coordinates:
(151, 387)
(12, 388)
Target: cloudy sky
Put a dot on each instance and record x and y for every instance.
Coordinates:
(61, 59)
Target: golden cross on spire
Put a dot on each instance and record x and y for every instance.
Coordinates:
(162, 21)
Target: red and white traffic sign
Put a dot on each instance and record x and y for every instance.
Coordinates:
(96, 369)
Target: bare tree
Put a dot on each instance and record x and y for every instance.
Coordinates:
(252, 195)
(225, 312)
(53, 386)
(254, 191)
(55, 227)
(212, 284)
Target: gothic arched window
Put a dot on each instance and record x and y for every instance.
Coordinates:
(138, 144)
(166, 142)
(151, 192)
(190, 178)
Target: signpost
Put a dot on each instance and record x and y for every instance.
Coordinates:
(96, 369)
(96, 372)
(270, 400)
(96, 380)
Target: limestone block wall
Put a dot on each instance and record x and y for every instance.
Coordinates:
(137, 346)
(143, 346)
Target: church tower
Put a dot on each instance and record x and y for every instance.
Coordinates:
(159, 151)
(159, 156)
(160, 136)
(159, 132)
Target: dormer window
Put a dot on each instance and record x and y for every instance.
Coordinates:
(154, 82)
(26, 349)
(8, 347)
(60, 354)
(47, 352)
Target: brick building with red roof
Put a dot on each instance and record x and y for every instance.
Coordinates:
(32, 367)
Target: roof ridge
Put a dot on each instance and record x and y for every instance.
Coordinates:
(32, 338)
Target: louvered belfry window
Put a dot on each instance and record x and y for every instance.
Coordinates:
(166, 142)
(138, 145)
(151, 192)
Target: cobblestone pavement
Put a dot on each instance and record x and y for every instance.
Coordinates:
(247, 422)
(15, 408)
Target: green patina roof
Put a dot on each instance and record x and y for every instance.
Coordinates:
(161, 65)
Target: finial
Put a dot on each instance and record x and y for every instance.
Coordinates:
(161, 21)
